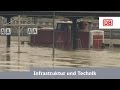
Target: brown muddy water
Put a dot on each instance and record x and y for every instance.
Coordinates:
(42, 57)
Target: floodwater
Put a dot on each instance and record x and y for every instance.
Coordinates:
(11, 60)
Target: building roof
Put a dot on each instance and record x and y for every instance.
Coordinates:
(69, 14)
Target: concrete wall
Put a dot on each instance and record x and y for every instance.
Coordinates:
(113, 41)
(14, 38)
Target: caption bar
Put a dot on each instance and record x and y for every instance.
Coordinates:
(64, 73)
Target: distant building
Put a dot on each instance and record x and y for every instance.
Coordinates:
(39, 21)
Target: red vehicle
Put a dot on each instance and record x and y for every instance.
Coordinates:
(62, 37)
(65, 37)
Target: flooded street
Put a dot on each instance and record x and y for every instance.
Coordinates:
(30, 57)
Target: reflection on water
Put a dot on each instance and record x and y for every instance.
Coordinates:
(7, 58)
(42, 57)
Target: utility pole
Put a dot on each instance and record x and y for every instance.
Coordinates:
(8, 36)
(19, 35)
(111, 44)
(53, 53)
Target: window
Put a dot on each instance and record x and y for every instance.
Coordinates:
(64, 26)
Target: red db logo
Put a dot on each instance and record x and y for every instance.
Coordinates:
(107, 22)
